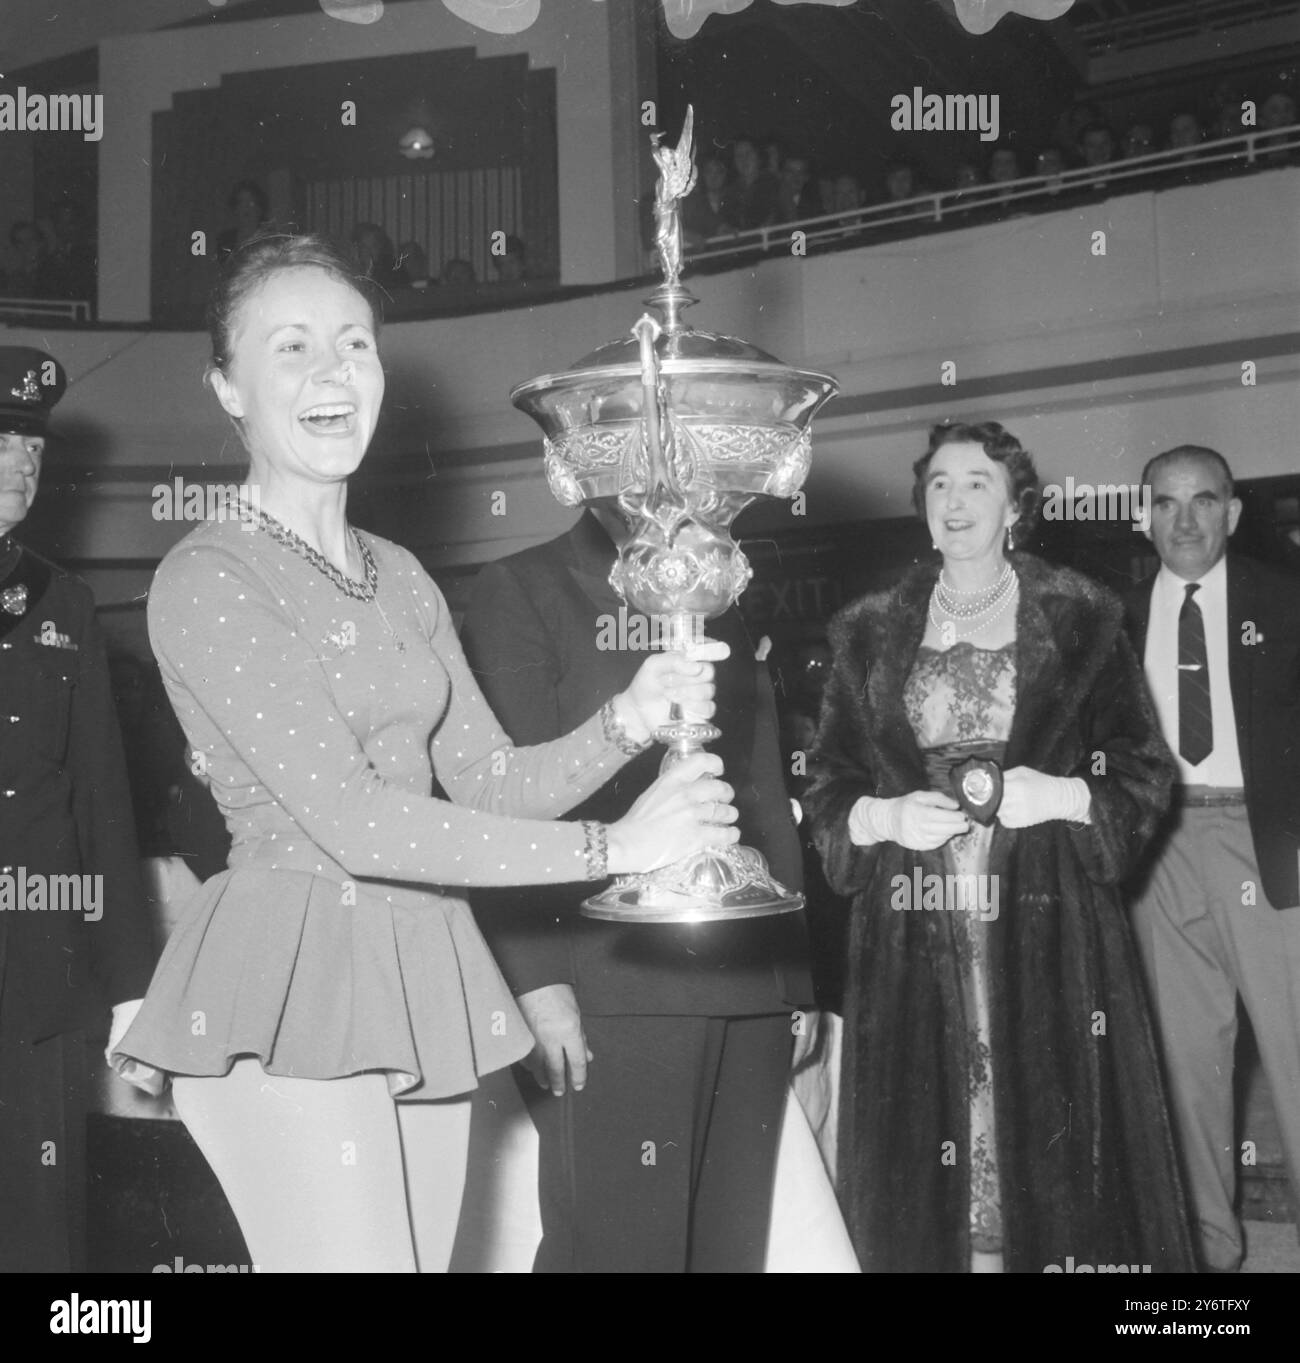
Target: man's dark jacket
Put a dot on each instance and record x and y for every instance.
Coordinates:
(65, 806)
(531, 633)
(1264, 676)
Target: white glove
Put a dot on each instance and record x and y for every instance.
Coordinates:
(923, 820)
(1032, 797)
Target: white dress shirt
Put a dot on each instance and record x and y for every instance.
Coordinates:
(1222, 767)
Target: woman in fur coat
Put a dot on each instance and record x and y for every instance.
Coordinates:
(1002, 1105)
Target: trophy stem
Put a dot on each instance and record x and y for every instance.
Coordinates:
(682, 735)
(722, 884)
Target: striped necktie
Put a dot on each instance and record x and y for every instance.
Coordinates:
(1195, 723)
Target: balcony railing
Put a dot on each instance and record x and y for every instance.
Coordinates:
(1041, 192)
(947, 210)
(1114, 31)
(44, 309)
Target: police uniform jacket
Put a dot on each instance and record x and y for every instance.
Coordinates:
(65, 810)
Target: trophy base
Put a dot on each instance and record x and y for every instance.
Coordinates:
(720, 885)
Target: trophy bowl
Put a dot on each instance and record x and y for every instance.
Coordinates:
(684, 428)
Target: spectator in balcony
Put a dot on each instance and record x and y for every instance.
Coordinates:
(967, 184)
(1185, 134)
(704, 210)
(1140, 140)
(797, 195)
(1227, 123)
(1072, 123)
(376, 256)
(251, 209)
(23, 261)
(512, 266)
(751, 199)
(1277, 112)
(458, 274)
(1225, 111)
(1004, 166)
(900, 182)
(847, 196)
(68, 270)
(773, 150)
(1097, 145)
(1050, 163)
(413, 261)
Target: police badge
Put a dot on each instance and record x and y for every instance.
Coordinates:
(13, 600)
(977, 786)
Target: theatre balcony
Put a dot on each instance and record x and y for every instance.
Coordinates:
(1099, 321)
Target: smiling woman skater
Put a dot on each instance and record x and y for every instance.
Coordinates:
(334, 967)
(1002, 1103)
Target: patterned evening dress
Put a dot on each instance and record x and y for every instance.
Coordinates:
(960, 702)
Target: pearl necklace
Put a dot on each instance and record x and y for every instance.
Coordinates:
(349, 586)
(985, 597)
(946, 629)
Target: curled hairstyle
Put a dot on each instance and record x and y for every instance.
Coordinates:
(1003, 448)
(262, 257)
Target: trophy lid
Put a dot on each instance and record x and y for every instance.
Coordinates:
(721, 408)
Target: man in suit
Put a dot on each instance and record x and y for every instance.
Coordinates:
(1218, 918)
(665, 1047)
(73, 930)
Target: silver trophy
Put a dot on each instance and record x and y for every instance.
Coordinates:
(683, 429)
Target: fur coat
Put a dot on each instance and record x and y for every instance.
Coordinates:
(1086, 1160)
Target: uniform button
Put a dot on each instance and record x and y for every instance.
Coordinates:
(6, 645)
(8, 794)
(13, 719)
(6, 870)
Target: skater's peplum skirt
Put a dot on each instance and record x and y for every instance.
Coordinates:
(320, 979)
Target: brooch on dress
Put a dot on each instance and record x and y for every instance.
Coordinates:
(13, 600)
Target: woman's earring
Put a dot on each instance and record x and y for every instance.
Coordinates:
(1011, 544)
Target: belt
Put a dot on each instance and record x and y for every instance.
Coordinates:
(1208, 797)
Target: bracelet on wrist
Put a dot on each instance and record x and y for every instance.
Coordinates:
(616, 732)
(596, 850)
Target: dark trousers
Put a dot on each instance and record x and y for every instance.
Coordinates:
(664, 1163)
(43, 1101)
(1209, 937)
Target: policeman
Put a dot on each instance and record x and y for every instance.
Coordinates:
(74, 935)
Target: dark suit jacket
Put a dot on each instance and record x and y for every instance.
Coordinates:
(531, 633)
(1265, 679)
(65, 806)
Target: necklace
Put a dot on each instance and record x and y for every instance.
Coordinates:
(947, 631)
(985, 598)
(349, 586)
